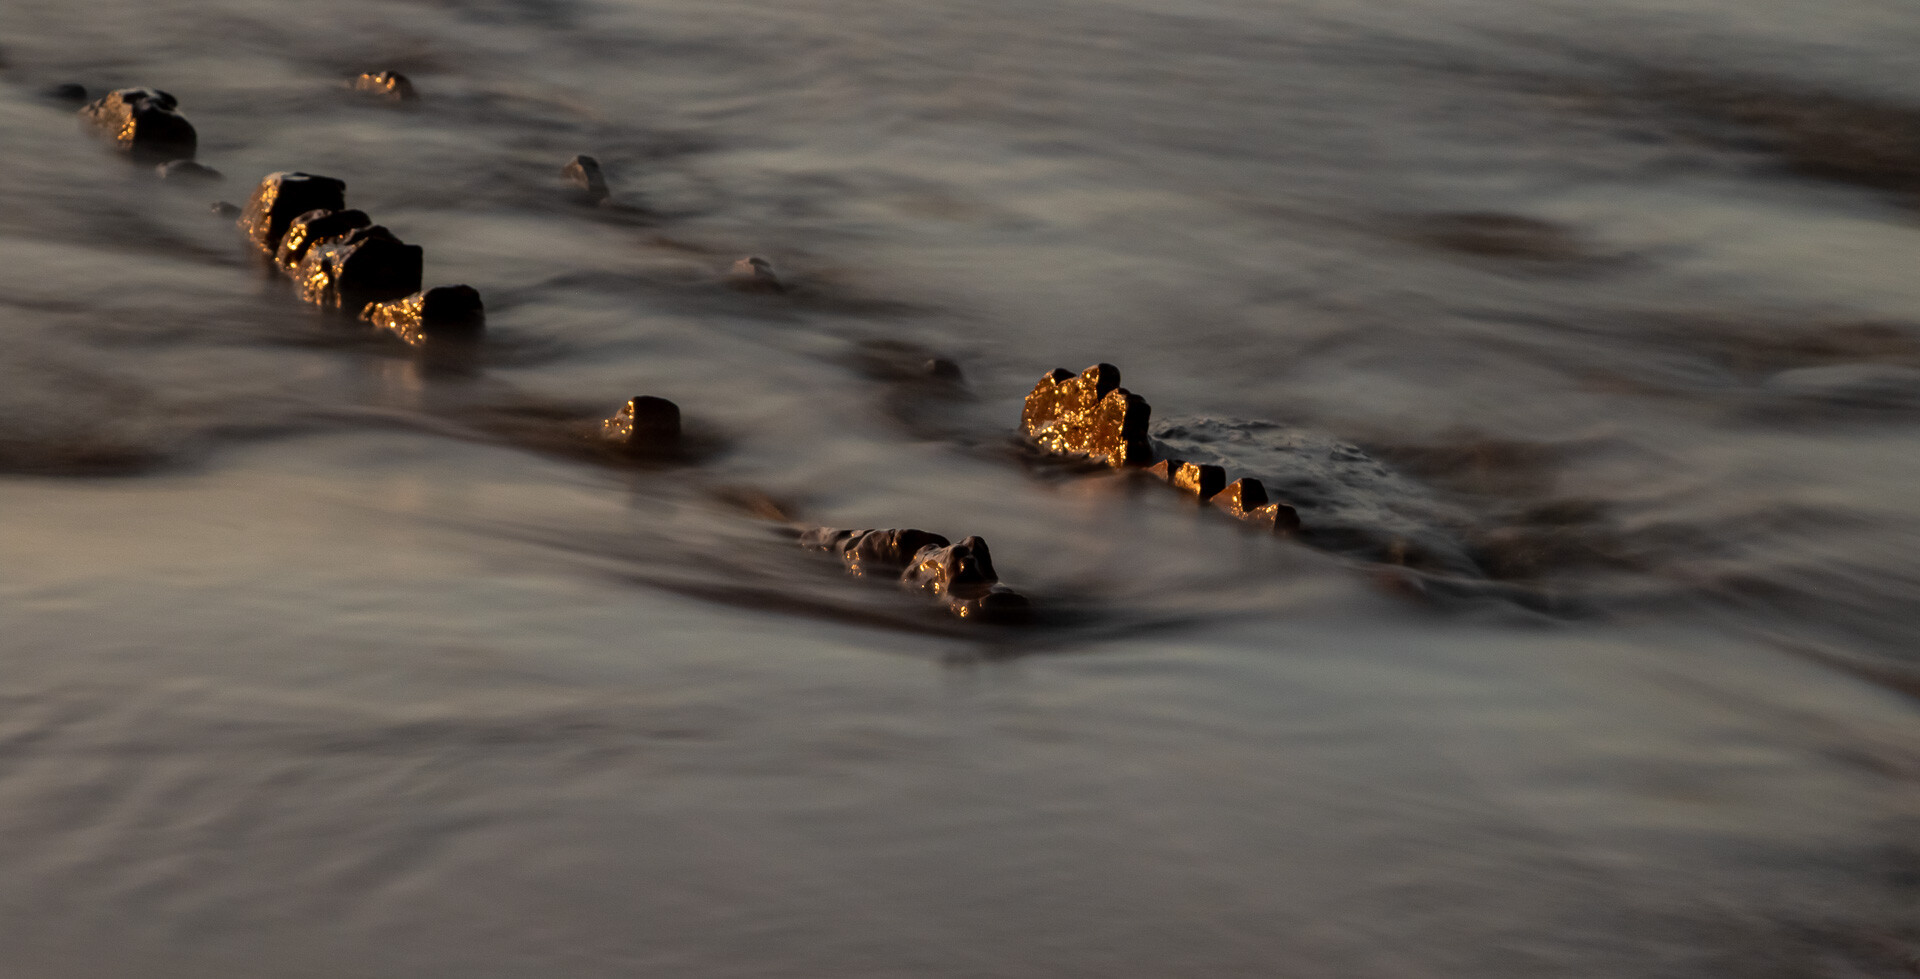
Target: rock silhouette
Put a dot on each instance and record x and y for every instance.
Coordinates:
(754, 274)
(441, 313)
(314, 228)
(644, 425)
(390, 85)
(367, 265)
(582, 173)
(187, 171)
(283, 196)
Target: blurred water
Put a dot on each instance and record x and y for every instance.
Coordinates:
(322, 661)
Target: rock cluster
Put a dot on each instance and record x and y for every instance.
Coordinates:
(142, 124)
(341, 260)
(960, 576)
(1090, 415)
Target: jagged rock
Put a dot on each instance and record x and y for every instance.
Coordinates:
(369, 265)
(280, 198)
(1090, 415)
(390, 85)
(142, 124)
(1202, 482)
(583, 174)
(315, 228)
(70, 93)
(644, 424)
(962, 575)
(1246, 499)
(188, 171)
(441, 313)
(959, 575)
(754, 274)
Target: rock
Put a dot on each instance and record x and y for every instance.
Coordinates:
(754, 274)
(962, 575)
(644, 424)
(70, 93)
(583, 174)
(1246, 499)
(223, 209)
(280, 198)
(1202, 482)
(142, 124)
(187, 171)
(942, 369)
(313, 228)
(1090, 415)
(440, 313)
(390, 85)
(369, 265)
(959, 575)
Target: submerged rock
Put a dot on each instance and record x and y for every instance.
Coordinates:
(754, 274)
(315, 228)
(1246, 499)
(583, 174)
(283, 196)
(440, 313)
(959, 575)
(644, 425)
(223, 209)
(143, 124)
(368, 265)
(390, 85)
(1090, 415)
(71, 93)
(186, 171)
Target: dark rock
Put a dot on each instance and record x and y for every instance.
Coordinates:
(390, 85)
(1201, 482)
(644, 424)
(142, 124)
(1090, 415)
(187, 171)
(942, 369)
(960, 575)
(223, 209)
(441, 313)
(315, 227)
(1246, 499)
(70, 93)
(369, 265)
(754, 274)
(583, 174)
(280, 198)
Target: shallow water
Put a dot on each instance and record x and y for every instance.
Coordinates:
(1580, 334)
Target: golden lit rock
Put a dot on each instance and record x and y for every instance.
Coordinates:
(1198, 481)
(390, 85)
(438, 314)
(280, 198)
(1246, 499)
(1089, 415)
(644, 425)
(960, 576)
(368, 265)
(315, 228)
(142, 124)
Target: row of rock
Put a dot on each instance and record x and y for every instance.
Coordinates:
(341, 260)
(1089, 415)
(960, 576)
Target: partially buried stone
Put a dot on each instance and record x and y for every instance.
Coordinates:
(187, 171)
(313, 228)
(1246, 499)
(389, 85)
(962, 575)
(142, 124)
(369, 265)
(583, 174)
(754, 274)
(959, 575)
(1090, 415)
(438, 314)
(223, 209)
(643, 425)
(1201, 482)
(283, 196)
(71, 93)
